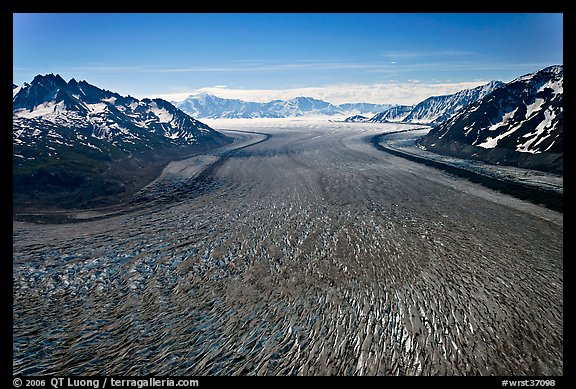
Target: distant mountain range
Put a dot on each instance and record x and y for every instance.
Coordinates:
(431, 111)
(69, 139)
(213, 107)
(520, 123)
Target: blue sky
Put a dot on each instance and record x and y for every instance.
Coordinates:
(381, 58)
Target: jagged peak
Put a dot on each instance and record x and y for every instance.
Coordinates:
(49, 78)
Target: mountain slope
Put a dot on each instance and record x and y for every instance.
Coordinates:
(519, 124)
(77, 144)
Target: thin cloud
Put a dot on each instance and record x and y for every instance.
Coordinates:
(246, 67)
(390, 67)
(409, 54)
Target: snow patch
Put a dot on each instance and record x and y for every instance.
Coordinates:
(162, 114)
(490, 142)
(42, 110)
(505, 118)
(93, 147)
(110, 100)
(15, 91)
(546, 124)
(556, 86)
(97, 108)
(535, 106)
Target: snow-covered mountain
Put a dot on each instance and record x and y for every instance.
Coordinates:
(298, 106)
(356, 119)
(520, 119)
(434, 109)
(74, 130)
(209, 106)
(437, 109)
(97, 114)
(395, 114)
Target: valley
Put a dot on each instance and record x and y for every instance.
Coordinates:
(305, 252)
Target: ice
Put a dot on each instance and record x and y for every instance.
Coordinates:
(308, 122)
